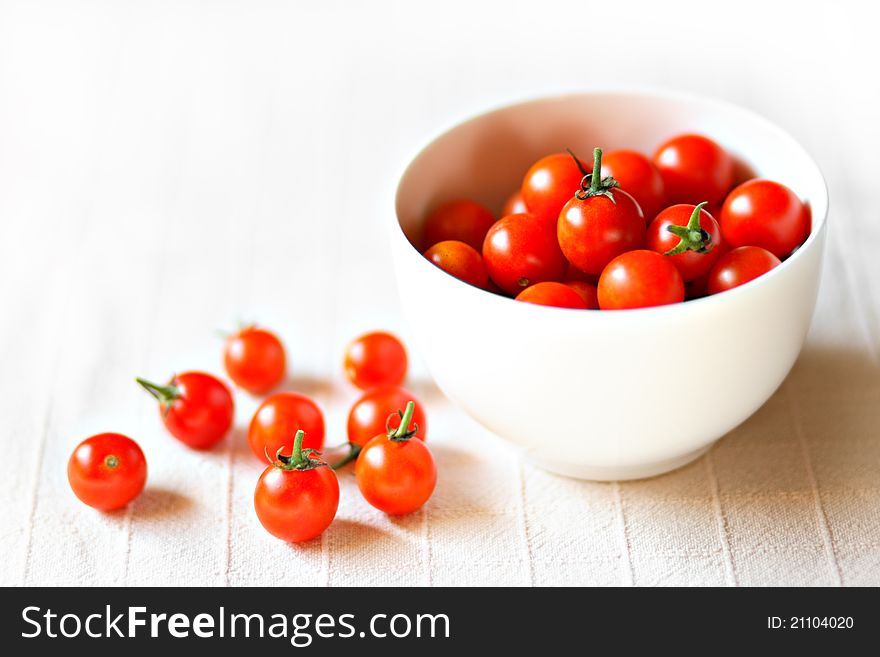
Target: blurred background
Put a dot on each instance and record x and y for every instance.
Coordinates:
(170, 167)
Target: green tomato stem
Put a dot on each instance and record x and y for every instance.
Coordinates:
(598, 186)
(353, 452)
(164, 394)
(692, 237)
(596, 179)
(401, 432)
(296, 458)
(299, 459)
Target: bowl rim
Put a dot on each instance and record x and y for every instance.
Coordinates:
(818, 223)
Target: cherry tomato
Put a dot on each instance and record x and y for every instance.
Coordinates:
(552, 294)
(514, 204)
(197, 408)
(459, 260)
(638, 279)
(715, 210)
(369, 414)
(297, 496)
(107, 471)
(587, 292)
(739, 266)
(692, 244)
(638, 177)
(462, 220)
(376, 359)
(277, 419)
(699, 287)
(395, 473)
(766, 214)
(572, 273)
(599, 223)
(694, 169)
(550, 183)
(521, 250)
(254, 359)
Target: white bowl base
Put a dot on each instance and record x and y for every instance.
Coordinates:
(617, 473)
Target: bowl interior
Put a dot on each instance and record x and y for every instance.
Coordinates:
(486, 157)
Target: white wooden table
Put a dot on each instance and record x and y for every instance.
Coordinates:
(167, 168)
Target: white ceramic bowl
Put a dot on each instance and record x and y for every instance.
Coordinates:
(604, 395)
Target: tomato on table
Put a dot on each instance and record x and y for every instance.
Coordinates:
(107, 471)
(552, 294)
(520, 250)
(689, 236)
(394, 473)
(377, 410)
(767, 214)
(515, 204)
(740, 266)
(297, 496)
(460, 260)
(550, 183)
(375, 359)
(638, 177)
(694, 169)
(599, 223)
(461, 219)
(277, 420)
(254, 359)
(197, 408)
(639, 279)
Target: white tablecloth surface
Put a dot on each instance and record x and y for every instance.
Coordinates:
(168, 168)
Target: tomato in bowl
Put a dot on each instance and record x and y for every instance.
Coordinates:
(604, 395)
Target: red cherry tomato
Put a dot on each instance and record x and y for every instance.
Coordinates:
(376, 359)
(459, 260)
(638, 177)
(766, 214)
(254, 359)
(692, 245)
(639, 279)
(521, 250)
(552, 294)
(739, 266)
(297, 496)
(694, 169)
(107, 471)
(462, 220)
(197, 408)
(276, 422)
(601, 222)
(368, 415)
(395, 473)
(549, 184)
(699, 287)
(587, 292)
(572, 273)
(514, 204)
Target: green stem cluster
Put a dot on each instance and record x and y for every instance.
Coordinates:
(299, 459)
(692, 237)
(594, 184)
(402, 432)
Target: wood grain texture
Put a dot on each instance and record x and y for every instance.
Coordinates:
(168, 168)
